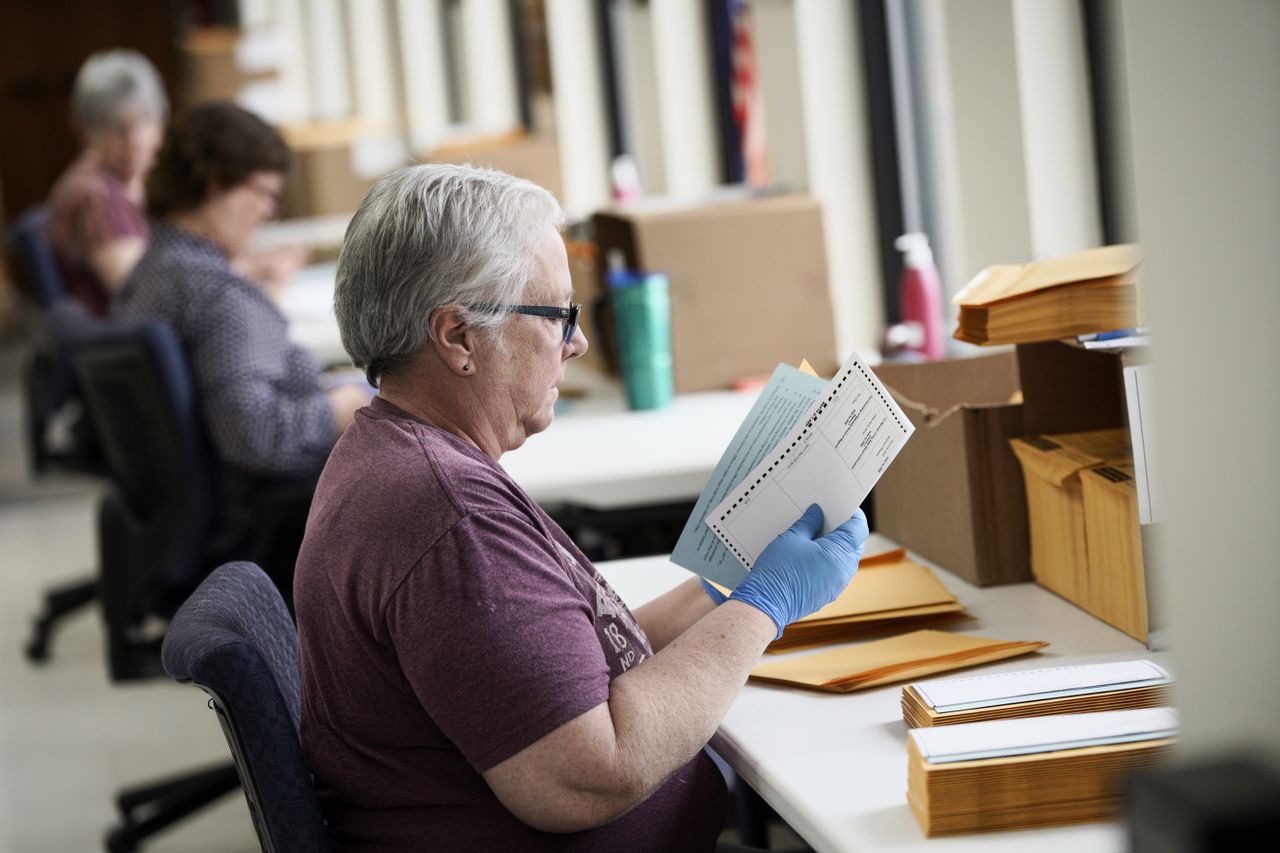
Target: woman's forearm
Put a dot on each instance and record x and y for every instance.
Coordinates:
(670, 614)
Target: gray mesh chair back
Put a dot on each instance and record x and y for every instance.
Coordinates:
(234, 639)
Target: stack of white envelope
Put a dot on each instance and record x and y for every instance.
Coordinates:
(1031, 772)
(1107, 686)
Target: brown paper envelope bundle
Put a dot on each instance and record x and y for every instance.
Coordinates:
(888, 590)
(1025, 791)
(1091, 291)
(919, 715)
(878, 662)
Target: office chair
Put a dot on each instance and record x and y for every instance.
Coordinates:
(154, 523)
(235, 640)
(48, 385)
(48, 382)
(36, 256)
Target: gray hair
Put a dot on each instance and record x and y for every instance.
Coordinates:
(113, 80)
(434, 235)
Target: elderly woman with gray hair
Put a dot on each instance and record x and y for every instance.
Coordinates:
(469, 680)
(96, 225)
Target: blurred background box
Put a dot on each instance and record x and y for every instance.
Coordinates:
(1062, 561)
(588, 290)
(533, 157)
(218, 63)
(749, 283)
(955, 493)
(1118, 594)
(334, 165)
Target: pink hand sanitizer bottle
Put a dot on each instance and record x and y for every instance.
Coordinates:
(920, 294)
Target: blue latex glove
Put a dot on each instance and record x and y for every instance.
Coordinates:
(798, 574)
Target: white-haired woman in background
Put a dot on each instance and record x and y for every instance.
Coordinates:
(96, 223)
(469, 681)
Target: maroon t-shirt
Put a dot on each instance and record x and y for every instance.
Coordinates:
(445, 623)
(88, 208)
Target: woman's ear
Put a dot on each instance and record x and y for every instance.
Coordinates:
(454, 338)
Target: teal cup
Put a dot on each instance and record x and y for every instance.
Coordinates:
(641, 305)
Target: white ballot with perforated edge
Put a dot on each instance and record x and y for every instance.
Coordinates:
(832, 457)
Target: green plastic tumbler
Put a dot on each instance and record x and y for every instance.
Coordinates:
(642, 323)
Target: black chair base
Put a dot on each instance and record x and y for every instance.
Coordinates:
(150, 807)
(58, 602)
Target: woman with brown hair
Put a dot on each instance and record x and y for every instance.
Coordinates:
(219, 176)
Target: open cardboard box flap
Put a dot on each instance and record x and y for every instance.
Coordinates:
(955, 493)
(972, 383)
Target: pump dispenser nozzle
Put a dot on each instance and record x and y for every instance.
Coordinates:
(916, 247)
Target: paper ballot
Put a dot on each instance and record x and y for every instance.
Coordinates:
(782, 404)
(831, 457)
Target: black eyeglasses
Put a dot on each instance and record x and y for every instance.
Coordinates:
(568, 315)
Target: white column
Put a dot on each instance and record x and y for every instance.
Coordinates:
(255, 14)
(490, 65)
(839, 159)
(374, 55)
(685, 96)
(579, 103)
(295, 91)
(327, 66)
(423, 72)
(990, 153)
(1057, 126)
(779, 68)
(637, 67)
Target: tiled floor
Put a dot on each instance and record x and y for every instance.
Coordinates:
(68, 738)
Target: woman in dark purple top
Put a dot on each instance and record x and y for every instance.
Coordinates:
(469, 681)
(95, 225)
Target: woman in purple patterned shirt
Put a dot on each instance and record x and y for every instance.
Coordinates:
(266, 406)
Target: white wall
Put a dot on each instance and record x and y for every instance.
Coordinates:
(684, 80)
(839, 163)
(1057, 126)
(375, 58)
(1205, 119)
(638, 61)
(490, 70)
(779, 69)
(990, 154)
(579, 105)
(1011, 150)
(419, 27)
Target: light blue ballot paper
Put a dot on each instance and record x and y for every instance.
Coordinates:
(783, 402)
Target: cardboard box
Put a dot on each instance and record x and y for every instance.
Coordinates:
(1054, 469)
(214, 68)
(324, 178)
(955, 492)
(532, 157)
(1114, 542)
(749, 283)
(584, 274)
(1069, 389)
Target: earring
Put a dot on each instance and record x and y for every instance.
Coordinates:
(466, 367)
